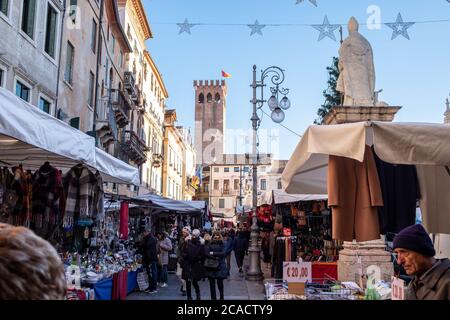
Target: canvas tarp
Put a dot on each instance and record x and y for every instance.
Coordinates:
(280, 196)
(422, 144)
(30, 137)
(159, 203)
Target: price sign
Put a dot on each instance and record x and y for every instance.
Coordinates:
(297, 272)
(397, 289)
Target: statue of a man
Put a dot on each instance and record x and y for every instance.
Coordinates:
(357, 71)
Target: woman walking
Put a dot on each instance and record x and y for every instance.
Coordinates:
(193, 255)
(216, 269)
(240, 247)
(164, 247)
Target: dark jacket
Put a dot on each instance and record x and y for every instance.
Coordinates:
(400, 189)
(433, 284)
(193, 256)
(218, 252)
(240, 243)
(149, 252)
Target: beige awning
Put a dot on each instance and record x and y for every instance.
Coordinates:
(398, 143)
(425, 145)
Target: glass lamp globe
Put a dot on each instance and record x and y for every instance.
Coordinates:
(273, 103)
(277, 115)
(285, 103)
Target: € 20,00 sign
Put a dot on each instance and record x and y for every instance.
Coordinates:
(297, 271)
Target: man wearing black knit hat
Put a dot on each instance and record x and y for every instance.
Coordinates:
(415, 252)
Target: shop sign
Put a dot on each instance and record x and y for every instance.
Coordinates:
(297, 272)
(397, 289)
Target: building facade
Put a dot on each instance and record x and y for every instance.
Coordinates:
(189, 165)
(230, 183)
(29, 50)
(210, 120)
(155, 95)
(174, 149)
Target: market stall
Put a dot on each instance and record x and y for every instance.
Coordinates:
(374, 174)
(53, 184)
(303, 225)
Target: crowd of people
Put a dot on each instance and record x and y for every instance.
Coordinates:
(201, 255)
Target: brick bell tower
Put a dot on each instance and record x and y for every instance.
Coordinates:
(210, 120)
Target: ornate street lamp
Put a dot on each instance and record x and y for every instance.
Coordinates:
(277, 106)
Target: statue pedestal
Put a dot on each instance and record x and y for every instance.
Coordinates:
(343, 114)
(359, 255)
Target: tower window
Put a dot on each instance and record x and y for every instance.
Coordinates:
(201, 98)
(217, 97)
(209, 97)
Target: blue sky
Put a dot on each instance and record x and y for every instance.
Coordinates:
(414, 74)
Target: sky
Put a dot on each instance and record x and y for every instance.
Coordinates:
(414, 74)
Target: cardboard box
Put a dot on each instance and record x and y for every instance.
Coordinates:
(296, 288)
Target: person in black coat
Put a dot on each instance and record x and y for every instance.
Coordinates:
(150, 259)
(240, 248)
(216, 250)
(193, 254)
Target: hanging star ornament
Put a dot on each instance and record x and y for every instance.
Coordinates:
(256, 28)
(326, 29)
(400, 27)
(185, 26)
(314, 2)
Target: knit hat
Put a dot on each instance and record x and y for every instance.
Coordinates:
(196, 233)
(415, 238)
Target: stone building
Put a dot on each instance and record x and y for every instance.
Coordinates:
(210, 120)
(174, 149)
(29, 50)
(155, 95)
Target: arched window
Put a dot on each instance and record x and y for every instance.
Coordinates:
(201, 98)
(209, 97)
(217, 97)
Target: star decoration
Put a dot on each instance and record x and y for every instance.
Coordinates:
(185, 26)
(400, 27)
(256, 28)
(326, 29)
(314, 2)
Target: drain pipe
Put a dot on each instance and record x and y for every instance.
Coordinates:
(99, 61)
(59, 58)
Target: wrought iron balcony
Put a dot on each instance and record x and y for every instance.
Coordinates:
(129, 81)
(134, 146)
(157, 160)
(121, 104)
(138, 99)
(106, 126)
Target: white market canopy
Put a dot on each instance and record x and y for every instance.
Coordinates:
(425, 145)
(280, 196)
(166, 204)
(30, 137)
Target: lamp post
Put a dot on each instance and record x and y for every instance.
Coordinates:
(276, 75)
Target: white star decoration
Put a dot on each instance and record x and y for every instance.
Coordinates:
(314, 2)
(256, 28)
(185, 27)
(400, 27)
(326, 29)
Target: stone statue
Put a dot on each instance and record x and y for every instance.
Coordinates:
(357, 71)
